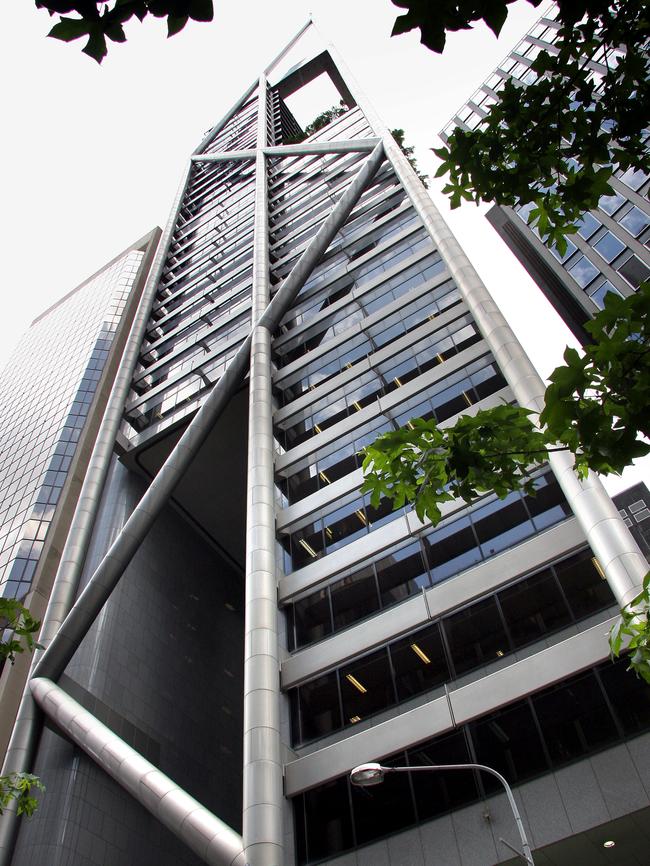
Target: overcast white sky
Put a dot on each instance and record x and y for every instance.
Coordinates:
(91, 156)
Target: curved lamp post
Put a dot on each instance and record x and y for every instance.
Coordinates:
(367, 775)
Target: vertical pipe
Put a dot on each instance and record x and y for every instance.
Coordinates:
(24, 737)
(262, 798)
(610, 539)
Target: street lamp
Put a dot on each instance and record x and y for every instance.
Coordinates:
(367, 775)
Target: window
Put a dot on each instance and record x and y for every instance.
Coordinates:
(319, 709)
(634, 271)
(599, 294)
(611, 203)
(436, 793)
(635, 221)
(401, 574)
(634, 178)
(575, 719)
(419, 662)
(588, 225)
(451, 548)
(534, 607)
(476, 636)
(583, 587)
(354, 597)
(609, 247)
(509, 742)
(366, 687)
(583, 272)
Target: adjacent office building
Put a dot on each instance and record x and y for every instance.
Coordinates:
(249, 627)
(609, 253)
(52, 396)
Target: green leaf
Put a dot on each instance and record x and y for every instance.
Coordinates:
(201, 10)
(175, 25)
(70, 28)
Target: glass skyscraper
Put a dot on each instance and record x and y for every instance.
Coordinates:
(53, 392)
(609, 252)
(247, 627)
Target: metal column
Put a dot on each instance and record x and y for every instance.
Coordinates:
(262, 796)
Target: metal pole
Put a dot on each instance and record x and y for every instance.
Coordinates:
(262, 793)
(526, 853)
(206, 834)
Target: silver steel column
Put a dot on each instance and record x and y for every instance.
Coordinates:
(212, 840)
(611, 541)
(262, 800)
(22, 745)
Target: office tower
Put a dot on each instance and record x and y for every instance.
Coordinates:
(52, 396)
(256, 628)
(609, 253)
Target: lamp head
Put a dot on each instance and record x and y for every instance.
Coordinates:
(366, 775)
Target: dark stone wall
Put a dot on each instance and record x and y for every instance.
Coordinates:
(162, 667)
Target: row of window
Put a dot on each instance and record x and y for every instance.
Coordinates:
(385, 378)
(484, 631)
(558, 725)
(454, 545)
(342, 319)
(451, 395)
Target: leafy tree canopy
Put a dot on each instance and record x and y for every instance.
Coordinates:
(553, 144)
(99, 20)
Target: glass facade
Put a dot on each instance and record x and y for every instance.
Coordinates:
(610, 251)
(484, 631)
(46, 392)
(586, 713)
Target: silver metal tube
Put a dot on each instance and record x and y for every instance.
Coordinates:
(110, 570)
(24, 736)
(617, 552)
(527, 853)
(262, 794)
(287, 48)
(226, 156)
(206, 834)
(353, 145)
(214, 132)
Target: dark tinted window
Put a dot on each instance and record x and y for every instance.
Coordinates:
(354, 597)
(629, 695)
(451, 549)
(499, 525)
(533, 607)
(475, 636)
(319, 707)
(584, 588)
(419, 662)
(327, 819)
(574, 718)
(311, 616)
(436, 793)
(384, 808)
(366, 687)
(401, 574)
(508, 742)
